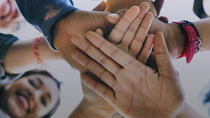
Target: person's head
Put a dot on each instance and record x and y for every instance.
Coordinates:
(10, 17)
(35, 94)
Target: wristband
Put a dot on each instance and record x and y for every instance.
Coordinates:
(192, 39)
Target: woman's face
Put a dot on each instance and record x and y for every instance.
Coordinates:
(31, 96)
(10, 17)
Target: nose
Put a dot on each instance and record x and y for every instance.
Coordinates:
(34, 94)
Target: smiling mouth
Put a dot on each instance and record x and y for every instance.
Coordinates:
(23, 101)
(6, 10)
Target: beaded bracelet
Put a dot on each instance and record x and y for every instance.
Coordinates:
(35, 49)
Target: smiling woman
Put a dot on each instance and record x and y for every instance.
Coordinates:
(34, 94)
(10, 17)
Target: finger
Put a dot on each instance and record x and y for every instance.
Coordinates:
(162, 56)
(110, 50)
(146, 51)
(99, 88)
(138, 41)
(115, 17)
(100, 7)
(130, 33)
(119, 30)
(94, 68)
(95, 53)
(158, 5)
(99, 32)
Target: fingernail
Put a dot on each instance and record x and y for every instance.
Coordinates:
(114, 16)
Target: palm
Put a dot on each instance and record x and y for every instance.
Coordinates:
(152, 91)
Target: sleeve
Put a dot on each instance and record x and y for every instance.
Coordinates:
(42, 14)
(6, 40)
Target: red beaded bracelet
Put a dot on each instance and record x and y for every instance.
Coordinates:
(35, 49)
(192, 39)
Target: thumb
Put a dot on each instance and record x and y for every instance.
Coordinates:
(100, 7)
(164, 64)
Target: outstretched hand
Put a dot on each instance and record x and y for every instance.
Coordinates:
(133, 89)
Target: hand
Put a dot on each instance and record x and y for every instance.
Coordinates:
(77, 22)
(103, 108)
(114, 5)
(133, 89)
(130, 32)
(134, 18)
(173, 36)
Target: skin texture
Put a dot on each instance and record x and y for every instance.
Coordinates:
(97, 105)
(132, 88)
(10, 21)
(34, 91)
(16, 61)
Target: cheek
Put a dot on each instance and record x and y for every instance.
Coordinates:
(13, 108)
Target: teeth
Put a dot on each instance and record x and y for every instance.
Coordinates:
(25, 103)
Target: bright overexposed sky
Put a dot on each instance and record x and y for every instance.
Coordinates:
(194, 76)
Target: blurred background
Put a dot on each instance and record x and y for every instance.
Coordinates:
(194, 76)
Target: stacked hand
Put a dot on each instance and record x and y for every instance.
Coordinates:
(135, 25)
(133, 89)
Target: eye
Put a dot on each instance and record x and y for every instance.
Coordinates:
(32, 83)
(43, 101)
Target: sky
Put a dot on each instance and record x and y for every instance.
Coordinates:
(194, 76)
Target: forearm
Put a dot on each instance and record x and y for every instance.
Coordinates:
(87, 110)
(203, 27)
(42, 14)
(189, 112)
(20, 56)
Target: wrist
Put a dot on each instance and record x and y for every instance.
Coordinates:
(87, 110)
(188, 112)
(177, 40)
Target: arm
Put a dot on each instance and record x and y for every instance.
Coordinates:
(58, 21)
(20, 57)
(43, 14)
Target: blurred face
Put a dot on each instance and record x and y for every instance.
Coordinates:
(30, 97)
(10, 17)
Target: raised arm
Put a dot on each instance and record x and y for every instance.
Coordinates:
(58, 21)
(20, 56)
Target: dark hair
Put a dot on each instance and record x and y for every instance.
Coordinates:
(42, 72)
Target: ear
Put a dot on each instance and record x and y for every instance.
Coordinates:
(100, 7)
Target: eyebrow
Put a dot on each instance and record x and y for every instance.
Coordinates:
(49, 96)
(40, 81)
